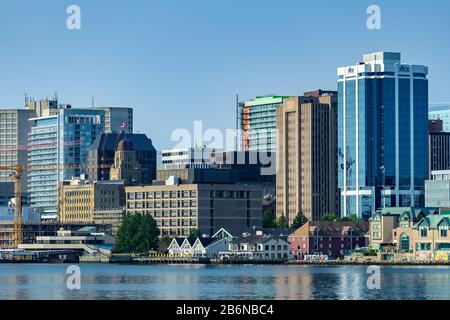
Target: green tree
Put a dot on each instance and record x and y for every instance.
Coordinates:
(195, 233)
(164, 243)
(352, 217)
(330, 217)
(281, 222)
(137, 234)
(299, 220)
(268, 220)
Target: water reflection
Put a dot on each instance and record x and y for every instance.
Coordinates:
(238, 282)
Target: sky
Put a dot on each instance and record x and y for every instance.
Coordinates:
(180, 61)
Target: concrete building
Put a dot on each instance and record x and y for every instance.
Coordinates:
(306, 172)
(179, 208)
(100, 202)
(257, 119)
(14, 129)
(440, 111)
(117, 119)
(437, 190)
(32, 230)
(189, 156)
(382, 134)
(101, 156)
(58, 149)
(7, 205)
(85, 241)
(42, 108)
(328, 238)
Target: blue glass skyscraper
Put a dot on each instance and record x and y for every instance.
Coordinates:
(382, 134)
(58, 149)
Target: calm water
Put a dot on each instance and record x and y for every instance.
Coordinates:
(104, 281)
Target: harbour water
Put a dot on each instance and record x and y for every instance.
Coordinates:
(236, 282)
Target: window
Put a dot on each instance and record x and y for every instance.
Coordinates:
(443, 231)
(423, 231)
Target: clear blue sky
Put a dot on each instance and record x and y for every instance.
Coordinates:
(180, 61)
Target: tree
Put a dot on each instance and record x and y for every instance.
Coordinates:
(268, 220)
(330, 217)
(195, 233)
(281, 222)
(352, 217)
(164, 243)
(299, 220)
(137, 234)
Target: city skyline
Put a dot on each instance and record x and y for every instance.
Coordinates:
(175, 65)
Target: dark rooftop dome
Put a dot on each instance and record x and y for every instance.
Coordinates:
(125, 145)
(110, 141)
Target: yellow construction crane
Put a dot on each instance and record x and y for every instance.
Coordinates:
(18, 228)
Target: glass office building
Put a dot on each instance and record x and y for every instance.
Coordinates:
(382, 134)
(58, 149)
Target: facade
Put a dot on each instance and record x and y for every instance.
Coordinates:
(189, 156)
(42, 108)
(85, 240)
(14, 129)
(199, 247)
(58, 149)
(437, 190)
(440, 111)
(328, 238)
(258, 123)
(382, 134)
(179, 208)
(258, 247)
(306, 172)
(118, 119)
(420, 235)
(7, 205)
(126, 166)
(32, 230)
(439, 151)
(102, 202)
(385, 221)
(101, 156)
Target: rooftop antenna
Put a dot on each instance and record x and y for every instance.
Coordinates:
(92, 102)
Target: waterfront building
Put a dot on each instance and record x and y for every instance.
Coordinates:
(438, 147)
(382, 134)
(328, 238)
(179, 208)
(14, 129)
(189, 156)
(58, 148)
(258, 122)
(440, 111)
(258, 247)
(100, 202)
(306, 168)
(85, 241)
(32, 230)
(198, 247)
(416, 234)
(102, 153)
(437, 190)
